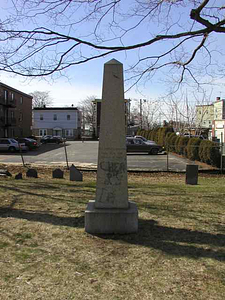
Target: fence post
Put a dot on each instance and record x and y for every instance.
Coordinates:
(221, 154)
(21, 154)
(66, 155)
(167, 160)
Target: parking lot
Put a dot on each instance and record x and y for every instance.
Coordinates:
(85, 154)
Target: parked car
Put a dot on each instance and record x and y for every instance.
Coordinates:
(11, 145)
(138, 145)
(144, 139)
(52, 139)
(30, 143)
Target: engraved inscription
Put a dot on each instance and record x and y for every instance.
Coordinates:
(106, 196)
(114, 172)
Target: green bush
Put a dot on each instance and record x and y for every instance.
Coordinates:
(153, 135)
(162, 133)
(203, 151)
(209, 152)
(177, 149)
(168, 138)
(193, 148)
(172, 142)
(182, 145)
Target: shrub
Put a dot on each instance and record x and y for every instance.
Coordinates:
(162, 132)
(172, 142)
(168, 138)
(193, 148)
(202, 151)
(154, 135)
(182, 145)
(177, 148)
(209, 152)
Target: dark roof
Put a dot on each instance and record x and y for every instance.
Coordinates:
(56, 108)
(14, 90)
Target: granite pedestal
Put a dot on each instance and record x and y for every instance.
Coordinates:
(111, 220)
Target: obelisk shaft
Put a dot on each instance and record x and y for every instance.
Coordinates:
(111, 191)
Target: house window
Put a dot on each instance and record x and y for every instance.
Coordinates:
(6, 94)
(21, 100)
(12, 114)
(12, 96)
(21, 117)
(68, 117)
(42, 132)
(69, 132)
(12, 132)
(41, 117)
(54, 117)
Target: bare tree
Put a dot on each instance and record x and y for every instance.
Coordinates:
(146, 112)
(179, 37)
(87, 107)
(41, 99)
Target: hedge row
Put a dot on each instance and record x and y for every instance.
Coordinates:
(193, 148)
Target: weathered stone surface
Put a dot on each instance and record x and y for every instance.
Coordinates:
(5, 172)
(32, 173)
(192, 174)
(111, 220)
(75, 174)
(111, 212)
(57, 173)
(111, 191)
(19, 176)
(3, 176)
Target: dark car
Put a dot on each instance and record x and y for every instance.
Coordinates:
(138, 145)
(30, 143)
(51, 139)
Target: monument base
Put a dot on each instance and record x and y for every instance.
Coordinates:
(111, 220)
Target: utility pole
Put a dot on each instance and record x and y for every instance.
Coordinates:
(141, 114)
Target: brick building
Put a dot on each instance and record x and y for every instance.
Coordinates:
(15, 112)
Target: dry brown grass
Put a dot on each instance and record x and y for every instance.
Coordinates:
(178, 253)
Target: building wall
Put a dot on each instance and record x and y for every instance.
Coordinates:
(57, 121)
(218, 130)
(219, 110)
(204, 116)
(15, 112)
(97, 114)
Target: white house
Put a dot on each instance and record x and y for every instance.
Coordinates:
(61, 121)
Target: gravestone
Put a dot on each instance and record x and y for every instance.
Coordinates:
(32, 173)
(75, 175)
(111, 212)
(192, 174)
(19, 176)
(57, 173)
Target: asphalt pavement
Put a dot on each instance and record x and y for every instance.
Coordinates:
(85, 155)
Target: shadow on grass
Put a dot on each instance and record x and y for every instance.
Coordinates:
(175, 241)
(42, 217)
(172, 241)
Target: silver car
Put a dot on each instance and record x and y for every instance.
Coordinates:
(11, 145)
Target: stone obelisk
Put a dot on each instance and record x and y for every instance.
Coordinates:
(111, 212)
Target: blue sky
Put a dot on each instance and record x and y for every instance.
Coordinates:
(85, 80)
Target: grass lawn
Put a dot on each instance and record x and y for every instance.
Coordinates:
(178, 252)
